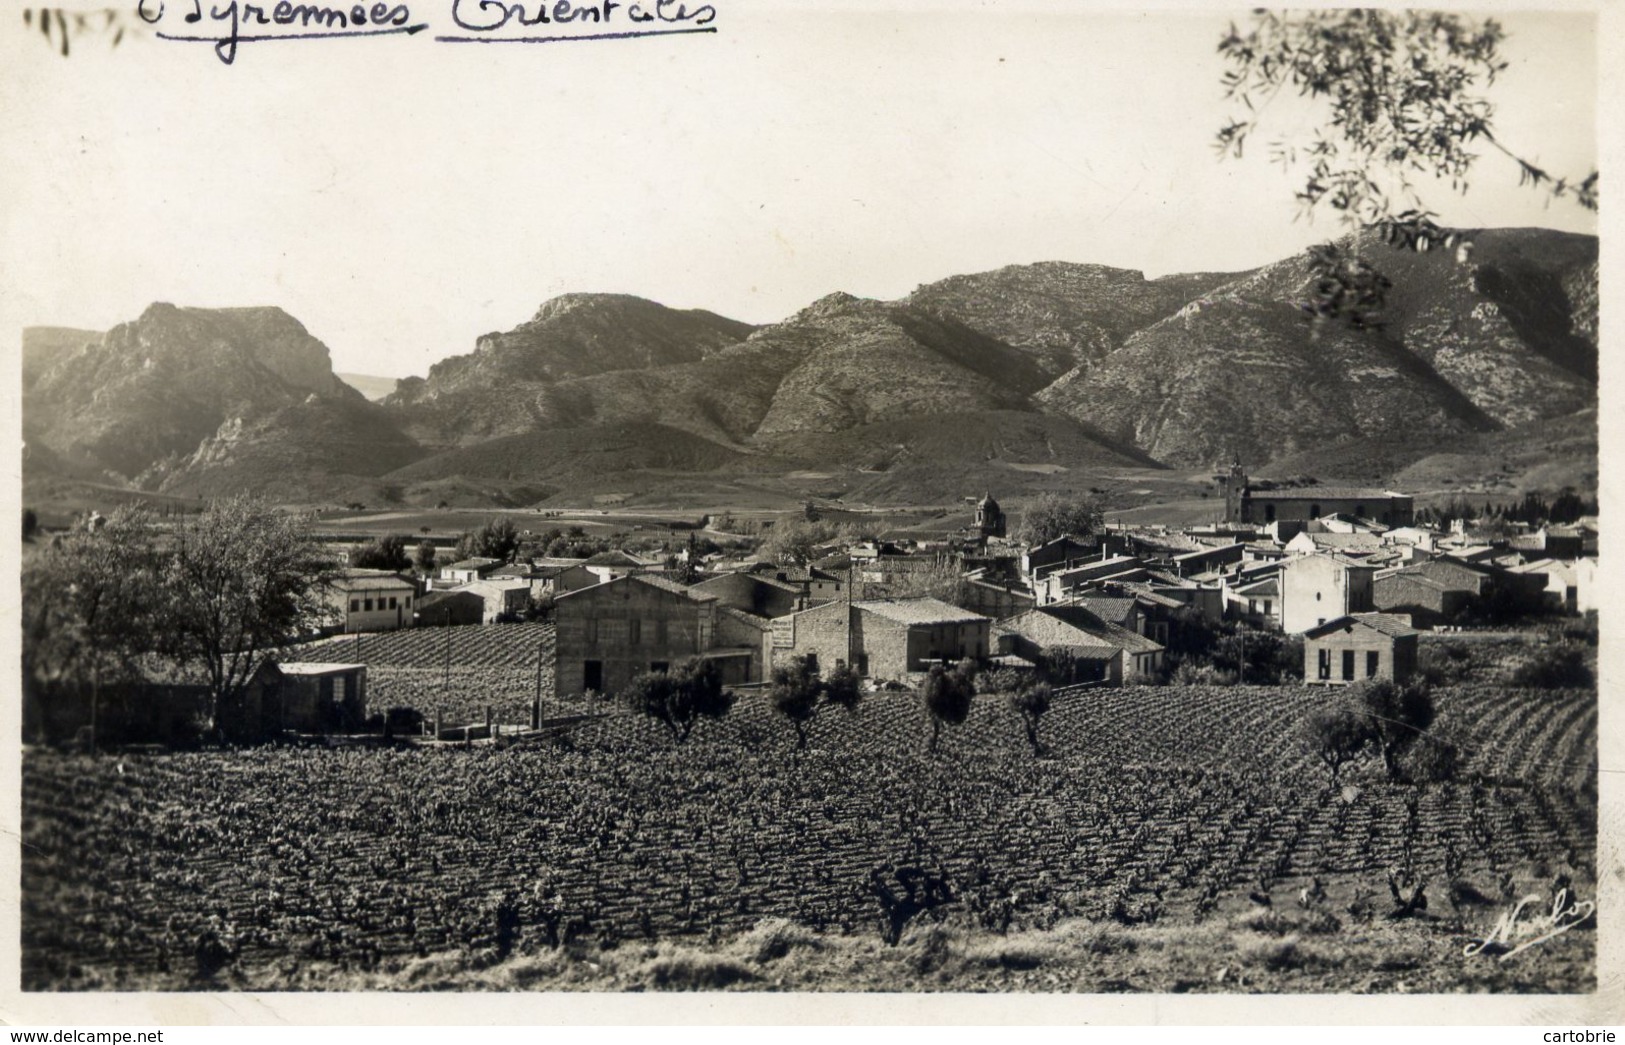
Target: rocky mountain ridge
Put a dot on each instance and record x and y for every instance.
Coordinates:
(1027, 377)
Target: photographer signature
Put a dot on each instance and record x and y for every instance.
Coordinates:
(1510, 935)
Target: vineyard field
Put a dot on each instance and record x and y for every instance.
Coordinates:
(457, 672)
(1154, 812)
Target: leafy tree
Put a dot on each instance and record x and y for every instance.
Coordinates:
(1338, 735)
(1051, 516)
(843, 688)
(947, 696)
(385, 553)
(497, 539)
(1403, 95)
(795, 542)
(239, 579)
(681, 697)
(91, 605)
(1399, 716)
(1031, 704)
(797, 693)
(426, 558)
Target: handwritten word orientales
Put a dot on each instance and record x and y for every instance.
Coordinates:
(1511, 936)
(234, 22)
(657, 18)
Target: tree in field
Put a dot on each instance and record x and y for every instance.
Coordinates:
(679, 698)
(240, 578)
(425, 559)
(1403, 95)
(795, 542)
(1051, 516)
(497, 539)
(1399, 716)
(843, 688)
(1339, 734)
(1031, 703)
(797, 693)
(90, 606)
(385, 553)
(948, 695)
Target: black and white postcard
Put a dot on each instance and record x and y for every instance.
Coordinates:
(770, 510)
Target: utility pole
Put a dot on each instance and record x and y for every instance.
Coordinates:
(851, 613)
(536, 707)
(1241, 659)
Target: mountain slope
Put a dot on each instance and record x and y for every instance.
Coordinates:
(871, 361)
(1060, 313)
(44, 346)
(500, 388)
(207, 401)
(1494, 341)
(311, 450)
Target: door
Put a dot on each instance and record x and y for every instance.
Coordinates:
(592, 676)
(1348, 665)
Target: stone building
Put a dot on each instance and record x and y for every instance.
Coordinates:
(644, 622)
(1260, 504)
(370, 600)
(1319, 588)
(882, 638)
(1357, 647)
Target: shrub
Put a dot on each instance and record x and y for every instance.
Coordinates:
(947, 696)
(1399, 717)
(773, 938)
(1338, 735)
(1433, 759)
(1444, 663)
(681, 697)
(1555, 667)
(1031, 704)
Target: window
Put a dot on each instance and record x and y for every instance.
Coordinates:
(355, 605)
(368, 605)
(1348, 665)
(812, 663)
(1317, 596)
(1325, 663)
(393, 603)
(1372, 659)
(1314, 511)
(1269, 513)
(592, 675)
(1266, 607)
(1252, 606)
(634, 632)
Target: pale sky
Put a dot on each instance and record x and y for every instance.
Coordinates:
(401, 197)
